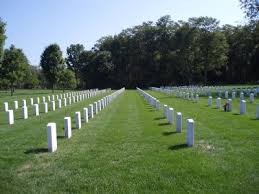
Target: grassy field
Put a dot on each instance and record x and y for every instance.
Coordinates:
(130, 148)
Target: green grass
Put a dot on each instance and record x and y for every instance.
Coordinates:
(130, 148)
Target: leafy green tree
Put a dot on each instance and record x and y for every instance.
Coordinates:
(72, 60)
(52, 64)
(67, 79)
(2, 38)
(251, 8)
(32, 77)
(14, 66)
(212, 45)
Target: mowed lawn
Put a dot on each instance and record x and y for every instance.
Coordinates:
(129, 147)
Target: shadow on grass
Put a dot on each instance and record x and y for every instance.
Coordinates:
(163, 124)
(159, 118)
(165, 97)
(254, 119)
(36, 151)
(236, 114)
(60, 137)
(19, 118)
(166, 133)
(152, 110)
(178, 147)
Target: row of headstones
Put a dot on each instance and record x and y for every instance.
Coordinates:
(74, 99)
(73, 95)
(195, 97)
(169, 115)
(242, 106)
(88, 113)
(185, 95)
(208, 90)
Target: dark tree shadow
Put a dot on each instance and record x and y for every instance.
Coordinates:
(163, 124)
(254, 119)
(166, 133)
(60, 137)
(159, 118)
(36, 151)
(178, 147)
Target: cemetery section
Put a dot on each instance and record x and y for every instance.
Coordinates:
(131, 145)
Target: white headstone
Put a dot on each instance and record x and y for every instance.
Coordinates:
(25, 112)
(67, 124)
(65, 102)
(99, 105)
(86, 115)
(209, 100)
(53, 105)
(171, 115)
(24, 102)
(46, 109)
(43, 99)
(52, 137)
(78, 119)
(229, 108)
(252, 98)
(59, 103)
(91, 111)
(38, 100)
(190, 132)
(36, 109)
(226, 94)
(242, 107)
(31, 100)
(165, 110)
(233, 95)
(95, 107)
(10, 116)
(178, 122)
(241, 96)
(6, 108)
(15, 104)
(218, 102)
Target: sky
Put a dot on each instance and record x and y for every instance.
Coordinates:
(34, 24)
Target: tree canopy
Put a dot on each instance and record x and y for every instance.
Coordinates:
(52, 64)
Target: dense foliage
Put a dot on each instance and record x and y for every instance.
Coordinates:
(198, 51)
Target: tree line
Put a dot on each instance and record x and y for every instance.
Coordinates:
(165, 52)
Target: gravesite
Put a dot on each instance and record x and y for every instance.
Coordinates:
(129, 96)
